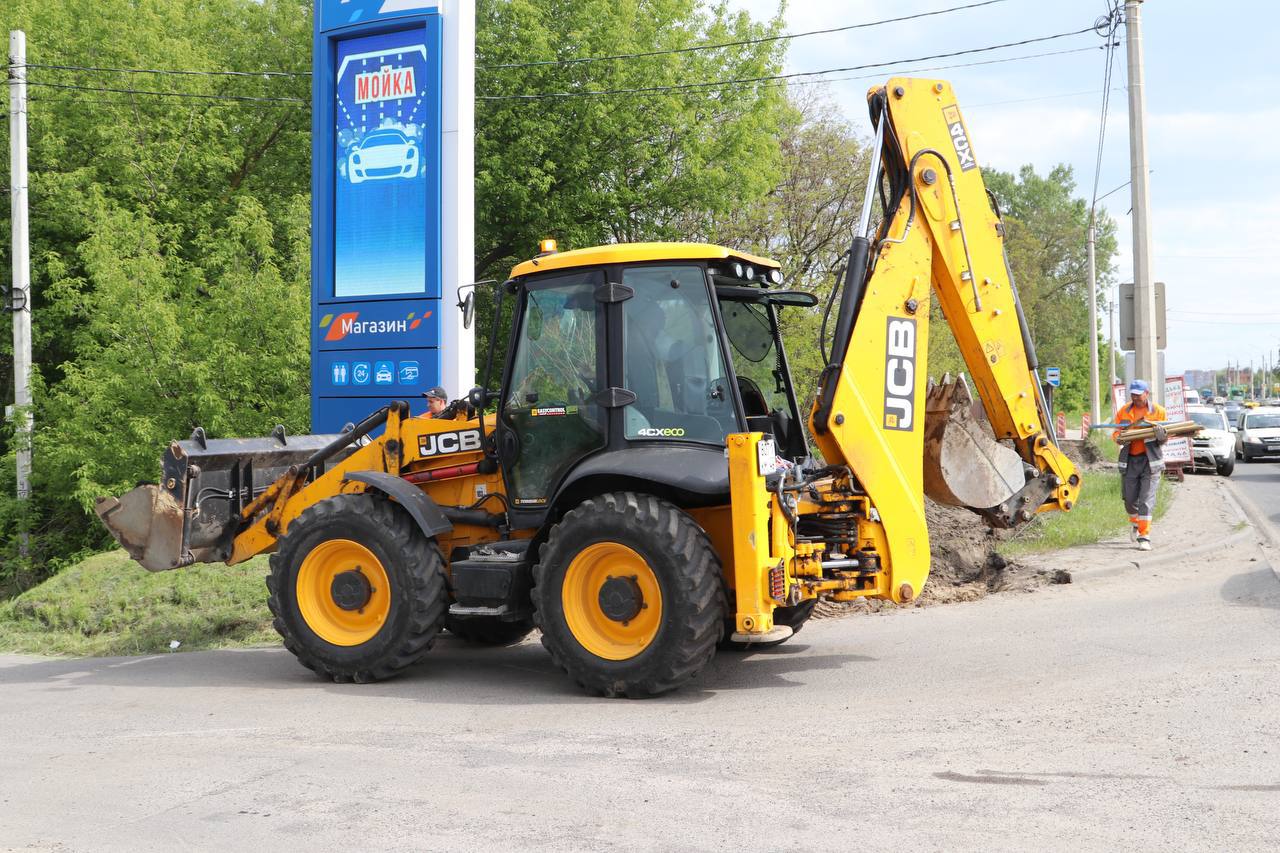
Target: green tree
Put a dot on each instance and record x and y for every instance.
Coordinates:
(591, 169)
(170, 253)
(805, 222)
(1045, 232)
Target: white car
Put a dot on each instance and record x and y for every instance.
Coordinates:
(383, 154)
(1211, 448)
(1258, 434)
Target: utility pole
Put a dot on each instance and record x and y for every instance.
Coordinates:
(1144, 298)
(20, 294)
(1111, 348)
(1093, 327)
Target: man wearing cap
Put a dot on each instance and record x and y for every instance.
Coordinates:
(1141, 461)
(437, 400)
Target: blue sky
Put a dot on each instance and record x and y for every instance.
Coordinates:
(1212, 78)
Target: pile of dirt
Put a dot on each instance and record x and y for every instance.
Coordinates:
(965, 565)
(1083, 453)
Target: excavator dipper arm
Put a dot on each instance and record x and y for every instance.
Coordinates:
(876, 412)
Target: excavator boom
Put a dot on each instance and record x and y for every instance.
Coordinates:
(876, 411)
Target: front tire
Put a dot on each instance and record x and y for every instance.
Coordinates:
(629, 596)
(1225, 467)
(357, 591)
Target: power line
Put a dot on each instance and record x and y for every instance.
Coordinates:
(949, 67)
(742, 43)
(1223, 322)
(178, 71)
(119, 102)
(772, 77)
(1111, 24)
(1030, 100)
(169, 94)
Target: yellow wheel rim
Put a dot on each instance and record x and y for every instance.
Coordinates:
(363, 588)
(612, 601)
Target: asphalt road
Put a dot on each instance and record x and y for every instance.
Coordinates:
(1133, 711)
(1259, 482)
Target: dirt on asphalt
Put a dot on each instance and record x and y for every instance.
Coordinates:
(965, 565)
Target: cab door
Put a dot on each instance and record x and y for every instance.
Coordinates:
(548, 418)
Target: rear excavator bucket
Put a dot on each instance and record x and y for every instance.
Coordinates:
(193, 514)
(964, 465)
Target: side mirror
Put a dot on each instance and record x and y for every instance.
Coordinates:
(468, 307)
(478, 398)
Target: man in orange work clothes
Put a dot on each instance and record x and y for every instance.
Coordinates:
(1142, 461)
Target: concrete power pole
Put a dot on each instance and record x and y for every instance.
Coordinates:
(1144, 298)
(20, 295)
(1111, 344)
(1093, 328)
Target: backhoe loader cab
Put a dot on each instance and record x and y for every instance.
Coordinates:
(638, 487)
(631, 365)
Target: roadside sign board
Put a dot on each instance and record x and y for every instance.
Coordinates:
(1053, 376)
(1119, 396)
(1175, 406)
(392, 84)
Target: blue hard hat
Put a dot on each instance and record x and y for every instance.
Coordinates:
(1138, 386)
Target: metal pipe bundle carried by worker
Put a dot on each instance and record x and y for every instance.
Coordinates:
(1145, 431)
(1136, 431)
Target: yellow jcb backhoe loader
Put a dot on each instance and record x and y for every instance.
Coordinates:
(640, 486)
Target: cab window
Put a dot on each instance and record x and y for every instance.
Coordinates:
(549, 413)
(672, 358)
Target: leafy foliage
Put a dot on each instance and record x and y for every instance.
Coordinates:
(1046, 227)
(170, 247)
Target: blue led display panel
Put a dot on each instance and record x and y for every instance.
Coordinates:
(376, 182)
(384, 131)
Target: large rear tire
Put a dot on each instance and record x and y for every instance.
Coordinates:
(489, 630)
(629, 596)
(357, 591)
(791, 617)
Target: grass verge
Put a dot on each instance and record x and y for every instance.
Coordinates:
(109, 605)
(1098, 515)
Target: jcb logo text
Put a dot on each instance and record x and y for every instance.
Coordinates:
(900, 374)
(435, 444)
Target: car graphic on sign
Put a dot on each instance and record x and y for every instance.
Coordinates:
(384, 154)
(383, 373)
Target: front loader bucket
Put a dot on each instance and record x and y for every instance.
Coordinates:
(193, 514)
(964, 465)
(147, 522)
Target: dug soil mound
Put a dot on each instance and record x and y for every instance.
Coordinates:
(965, 565)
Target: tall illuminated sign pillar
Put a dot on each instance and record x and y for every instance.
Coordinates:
(392, 204)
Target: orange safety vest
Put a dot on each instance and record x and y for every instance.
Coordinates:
(1130, 414)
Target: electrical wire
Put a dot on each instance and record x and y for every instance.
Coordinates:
(1111, 23)
(121, 102)
(193, 95)
(773, 77)
(175, 71)
(742, 43)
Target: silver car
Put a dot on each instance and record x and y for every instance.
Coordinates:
(1258, 434)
